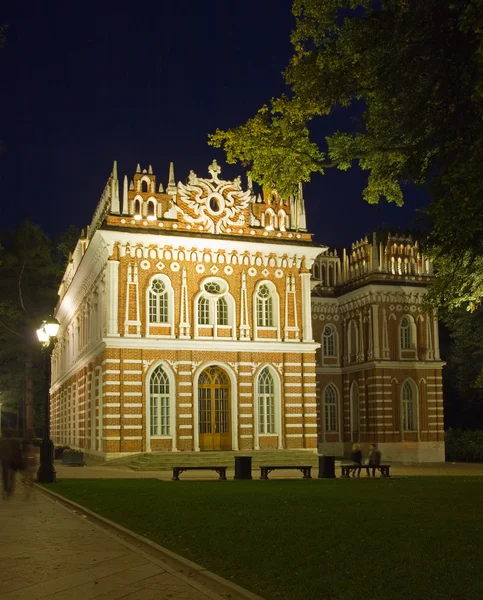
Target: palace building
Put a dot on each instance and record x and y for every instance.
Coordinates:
(202, 317)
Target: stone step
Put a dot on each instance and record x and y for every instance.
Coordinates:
(165, 461)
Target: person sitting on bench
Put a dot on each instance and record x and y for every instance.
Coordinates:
(375, 457)
(356, 458)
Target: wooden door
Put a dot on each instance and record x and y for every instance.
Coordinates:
(214, 409)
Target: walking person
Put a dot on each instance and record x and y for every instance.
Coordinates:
(375, 458)
(356, 458)
(12, 461)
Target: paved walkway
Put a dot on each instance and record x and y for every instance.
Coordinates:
(48, 552)
(95, 470)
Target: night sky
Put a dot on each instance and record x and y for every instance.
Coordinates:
(84, 84)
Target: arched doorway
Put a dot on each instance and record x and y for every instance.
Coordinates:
(214, 409)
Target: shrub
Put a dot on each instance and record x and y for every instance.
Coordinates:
(464, 445)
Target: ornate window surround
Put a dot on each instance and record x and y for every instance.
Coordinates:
(409, 407)
(170, 292)
(333, 402)
(277, 392)
(411, 352)
(334, 336)
(275, 311)
(172, 405)
(213, 298)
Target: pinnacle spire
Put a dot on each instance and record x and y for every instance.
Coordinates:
(171, 189)
(138, 168)
(114, 190)
(125, 203)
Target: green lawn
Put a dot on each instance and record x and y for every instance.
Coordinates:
(412, 538)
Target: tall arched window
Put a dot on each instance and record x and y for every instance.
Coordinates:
(137, 209)
(222, 311)
(331, 409)
(264, 304)
(159, 403)
(151, 211)
(406, 334)
(353, 341)
(409, 412)
(203, 311)
(158, 302)
(328, 338)
(266, 402)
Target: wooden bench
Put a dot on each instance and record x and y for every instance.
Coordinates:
(346, 470)
(265, 470)
(178, 470)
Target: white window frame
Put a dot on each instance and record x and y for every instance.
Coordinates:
(212, 299)
(275, 301)
(332, 403)
(277, 389)
(409, 406)
(335, 342)
(172, 405)
(408, 353)
(170, 300)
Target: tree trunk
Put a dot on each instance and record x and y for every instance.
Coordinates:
(29, 391)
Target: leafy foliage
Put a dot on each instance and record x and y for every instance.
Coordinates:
(464, 445)
(416, 68)
(29, 278)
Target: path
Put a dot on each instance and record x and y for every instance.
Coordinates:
(48, 552)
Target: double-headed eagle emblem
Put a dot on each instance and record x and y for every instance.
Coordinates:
(212, 205)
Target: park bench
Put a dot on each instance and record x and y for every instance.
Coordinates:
(178, 470)
(265, 470)
(346, 470)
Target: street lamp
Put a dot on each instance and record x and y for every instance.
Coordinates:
(46, 335)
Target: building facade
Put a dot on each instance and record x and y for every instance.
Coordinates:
(202, 317)
(379, 372)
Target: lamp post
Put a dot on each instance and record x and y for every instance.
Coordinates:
(46, 335)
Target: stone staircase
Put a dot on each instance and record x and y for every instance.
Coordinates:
(165, 461)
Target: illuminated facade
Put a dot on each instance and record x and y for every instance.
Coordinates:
(188, 322)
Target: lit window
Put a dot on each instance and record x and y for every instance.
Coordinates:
(159, 402)
(264, 304)
(330, 409)
(158, 302)
(266, 402)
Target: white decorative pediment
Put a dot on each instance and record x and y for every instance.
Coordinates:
(212, 205)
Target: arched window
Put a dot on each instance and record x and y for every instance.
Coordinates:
(144, 186)
(316, 270)
(266, 402)
(330, 409)
(158, 302)
(159, 396)
(137, 209)
(222, 311)
(409, 413)
(203, 311)
(329, 344)
(406, 334)
(264, 304)
(151, 211)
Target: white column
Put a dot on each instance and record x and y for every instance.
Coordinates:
(436, 337)
(112, 297)
(306, 308)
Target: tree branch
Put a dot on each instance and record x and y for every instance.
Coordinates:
(10, 330)
(20, 288)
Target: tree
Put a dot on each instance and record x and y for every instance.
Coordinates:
(414, 72)
(29, 278)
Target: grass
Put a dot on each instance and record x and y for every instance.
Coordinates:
(412, 538)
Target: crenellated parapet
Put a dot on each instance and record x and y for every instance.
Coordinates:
(398, 258)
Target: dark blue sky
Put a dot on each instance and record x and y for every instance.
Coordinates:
(83, 84)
